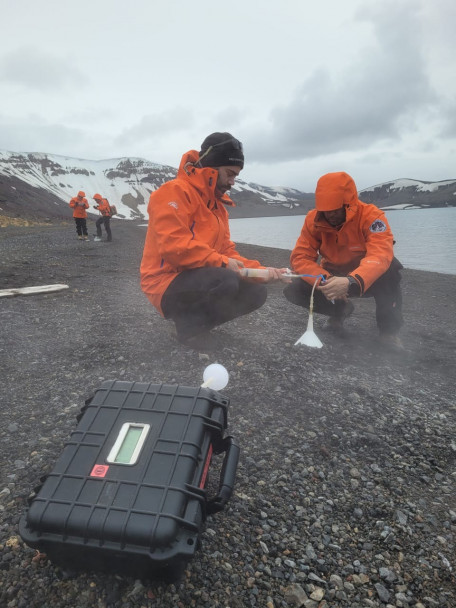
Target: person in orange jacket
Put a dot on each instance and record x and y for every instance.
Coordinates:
(79, 205)
(106, 215)
(350, 244)
(191, 270)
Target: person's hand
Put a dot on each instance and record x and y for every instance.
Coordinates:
(335, 288)
(284, 271)
(276, 274)
(234, 264)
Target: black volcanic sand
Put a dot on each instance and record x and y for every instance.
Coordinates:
(345, 493)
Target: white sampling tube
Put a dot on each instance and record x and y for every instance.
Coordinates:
(254, 273)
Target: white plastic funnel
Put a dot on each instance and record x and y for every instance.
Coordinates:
(215, 376)
(309, 337)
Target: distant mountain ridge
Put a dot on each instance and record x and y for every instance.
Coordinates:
(411, 193)
(33, 183)
(41, 185)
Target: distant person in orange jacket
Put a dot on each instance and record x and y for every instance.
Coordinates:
(191, 270)
(79, 205)
(350, 243)
(106, 215)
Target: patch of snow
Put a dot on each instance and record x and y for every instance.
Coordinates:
(401, 206)
(421, 186)
(113, 188)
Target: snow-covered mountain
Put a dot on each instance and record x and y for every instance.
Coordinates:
(125, 182)
(411, 193)
(39, 183)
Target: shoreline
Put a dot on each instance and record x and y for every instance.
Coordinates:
(68, 223)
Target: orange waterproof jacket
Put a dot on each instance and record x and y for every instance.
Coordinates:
(362, 247)
(104, 208)
(79, 206)
(188, 228)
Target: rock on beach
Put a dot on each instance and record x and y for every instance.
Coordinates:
(345, 492)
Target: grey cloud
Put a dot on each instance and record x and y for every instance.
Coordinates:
(90, 116)
(153, 126)
(448, 120)
(228, 116)
(33, 135)
(381, 94)
(35, 69)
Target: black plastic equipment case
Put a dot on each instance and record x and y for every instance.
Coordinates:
(127, 494)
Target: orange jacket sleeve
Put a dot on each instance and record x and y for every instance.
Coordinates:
(104, 208)
(305, 254)
(79, 207)
(171, 216)
(379, 251)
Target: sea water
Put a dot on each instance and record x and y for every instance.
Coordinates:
(425, 238)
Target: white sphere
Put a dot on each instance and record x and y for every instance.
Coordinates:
(215, 376)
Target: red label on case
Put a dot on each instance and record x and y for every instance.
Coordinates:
(99, 470)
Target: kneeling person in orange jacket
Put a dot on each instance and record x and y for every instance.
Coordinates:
(355, 243)
(106, 215)
(191, 270)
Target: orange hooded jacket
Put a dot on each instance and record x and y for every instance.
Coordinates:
(362, 247)
(79, 206)
(188, 228)
(104, 208)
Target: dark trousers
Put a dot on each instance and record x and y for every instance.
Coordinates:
(107, 224)
(202, 298)
(386, 292)
(81, 225)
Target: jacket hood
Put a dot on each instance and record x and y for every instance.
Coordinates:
(334, 190)
(204, 179)
(81, 193)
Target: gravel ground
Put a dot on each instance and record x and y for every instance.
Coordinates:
(345, 493)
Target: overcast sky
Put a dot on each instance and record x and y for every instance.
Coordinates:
(364, 86)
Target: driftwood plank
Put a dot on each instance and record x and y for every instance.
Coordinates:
(28, 291)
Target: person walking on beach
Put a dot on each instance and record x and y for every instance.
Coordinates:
(191, 270)
(79, 205)
(106, 214)
(350, 243)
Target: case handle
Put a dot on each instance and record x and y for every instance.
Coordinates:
(227, 476)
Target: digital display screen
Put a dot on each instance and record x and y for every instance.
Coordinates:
(128, 444)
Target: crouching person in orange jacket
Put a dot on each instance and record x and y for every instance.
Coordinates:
(79, 205)
(191, 270)
(350, 243)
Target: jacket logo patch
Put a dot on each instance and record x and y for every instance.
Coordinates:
(378, 226)
(173, 204)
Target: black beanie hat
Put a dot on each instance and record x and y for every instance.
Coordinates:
(221, 150)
